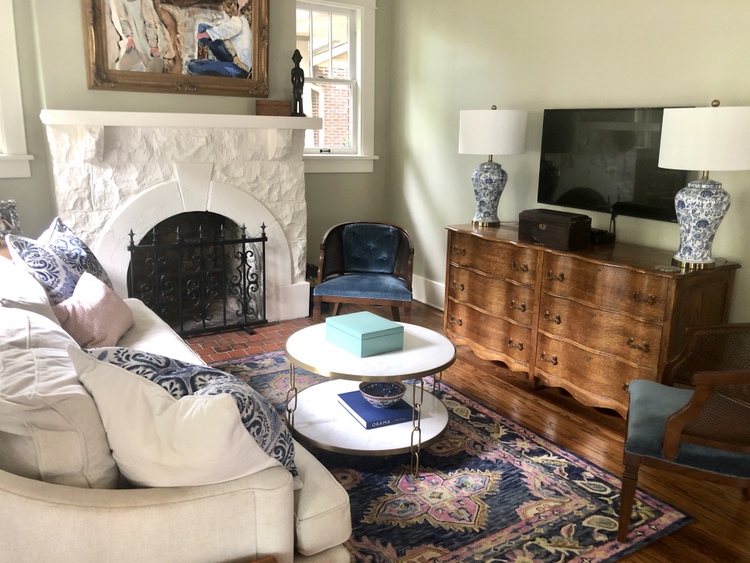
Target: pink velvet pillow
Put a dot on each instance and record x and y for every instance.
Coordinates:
(94, 315)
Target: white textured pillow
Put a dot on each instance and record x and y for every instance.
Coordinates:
(50, 429)
(24, 329)
(94, 315)
(159, 441)
(19, 289)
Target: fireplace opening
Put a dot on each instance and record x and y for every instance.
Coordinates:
(201, 273)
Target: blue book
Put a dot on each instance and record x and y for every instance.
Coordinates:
(373, 417)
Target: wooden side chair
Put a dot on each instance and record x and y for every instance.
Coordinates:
(367, 264)
(697, 425)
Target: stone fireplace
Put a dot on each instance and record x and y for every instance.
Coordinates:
(117, 171)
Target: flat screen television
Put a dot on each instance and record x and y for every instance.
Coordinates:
(607, 160)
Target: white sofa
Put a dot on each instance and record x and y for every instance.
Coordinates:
(42, 518)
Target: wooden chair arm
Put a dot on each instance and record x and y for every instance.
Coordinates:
(714, 378)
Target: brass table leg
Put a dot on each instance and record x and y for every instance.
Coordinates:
(416, 427)
(437, 382)
(291, 397)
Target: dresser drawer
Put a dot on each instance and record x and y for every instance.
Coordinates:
(490, 332)
(593, 378)
(496, 297)
(636, 341)
(502, 260)
(610, 287)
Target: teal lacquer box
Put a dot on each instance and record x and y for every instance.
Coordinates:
(364, 334)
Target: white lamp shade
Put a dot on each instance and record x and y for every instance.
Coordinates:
(492, 132)
(707, 138)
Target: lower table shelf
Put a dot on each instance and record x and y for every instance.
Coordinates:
(321, 421)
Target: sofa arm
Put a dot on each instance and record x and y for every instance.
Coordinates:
(243, 519)
(151, 334)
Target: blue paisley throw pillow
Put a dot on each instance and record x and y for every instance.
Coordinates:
(58, 258)
(182, 379)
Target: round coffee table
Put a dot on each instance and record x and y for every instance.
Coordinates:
(315, 415)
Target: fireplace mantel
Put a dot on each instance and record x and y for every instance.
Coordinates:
(153, 119)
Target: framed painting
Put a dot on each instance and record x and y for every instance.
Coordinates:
(216, 47)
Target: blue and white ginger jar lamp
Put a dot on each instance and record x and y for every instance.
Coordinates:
(703, 139)
(490, 132)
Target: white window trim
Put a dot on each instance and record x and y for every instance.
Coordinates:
(363, 161)
(14, 162)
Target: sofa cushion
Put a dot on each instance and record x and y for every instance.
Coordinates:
(94, 315)
(21, 290)
(50, 429)
(24, 329)
(171, 423)
(57, 259)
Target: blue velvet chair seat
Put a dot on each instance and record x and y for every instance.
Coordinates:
(651, 404)
(373, 286)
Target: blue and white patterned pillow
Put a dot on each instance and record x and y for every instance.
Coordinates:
(58, 258)
(181, 379)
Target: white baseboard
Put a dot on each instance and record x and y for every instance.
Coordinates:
(429, 292)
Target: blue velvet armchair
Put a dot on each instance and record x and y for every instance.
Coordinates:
(699, 424)
(365, 264)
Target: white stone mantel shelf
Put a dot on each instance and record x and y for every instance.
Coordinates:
(153, 119)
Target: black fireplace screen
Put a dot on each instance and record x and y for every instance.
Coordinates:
(202, 281)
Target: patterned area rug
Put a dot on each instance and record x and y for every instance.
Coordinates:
(490, 490)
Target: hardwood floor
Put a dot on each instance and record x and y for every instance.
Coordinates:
(721, 530)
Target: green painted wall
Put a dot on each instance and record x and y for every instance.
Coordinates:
(435, 58)
(535, 54)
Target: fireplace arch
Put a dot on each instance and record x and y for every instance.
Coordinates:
(160, 202)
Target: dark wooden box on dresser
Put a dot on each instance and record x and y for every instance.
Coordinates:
(588, 321)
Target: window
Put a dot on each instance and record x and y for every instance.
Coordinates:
(14, 162)
(337, 43)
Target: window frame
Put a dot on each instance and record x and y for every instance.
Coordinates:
(363, 105)
(14, 160)
(317, 83)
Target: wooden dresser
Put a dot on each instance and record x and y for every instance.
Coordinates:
(588, 321)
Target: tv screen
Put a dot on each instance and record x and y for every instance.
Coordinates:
(607, 160)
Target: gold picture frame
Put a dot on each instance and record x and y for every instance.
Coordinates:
(214, 47)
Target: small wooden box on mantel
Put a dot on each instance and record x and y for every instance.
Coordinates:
(273, 107)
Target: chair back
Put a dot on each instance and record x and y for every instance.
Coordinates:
(716, 363)
(710, 348)
(366, 247)
(370, 248)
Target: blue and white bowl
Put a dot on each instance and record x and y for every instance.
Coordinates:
(382, 394)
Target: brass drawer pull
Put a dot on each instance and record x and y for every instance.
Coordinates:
(552, 361)
(518, 346)
(549, 318)
(521, 268)
(648, 299)
(458, 286)
(642, 347)
(552, 277)
(459, 251)
(521, 307)
(456, 321)
(626, 387)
